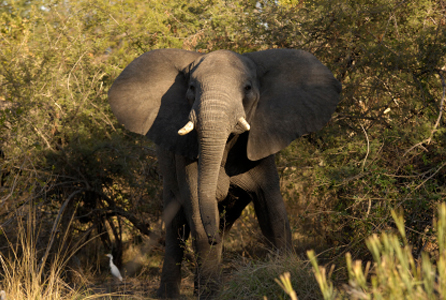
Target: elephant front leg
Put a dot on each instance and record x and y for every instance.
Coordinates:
(177, 231)
(269, 205)
(263, 185)
(208, 257)
(271, 214)
(207, 275)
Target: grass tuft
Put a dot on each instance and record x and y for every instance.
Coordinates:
(30, 272)
(395, 273)
(258, 280)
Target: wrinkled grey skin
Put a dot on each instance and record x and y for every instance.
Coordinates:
(213, 172)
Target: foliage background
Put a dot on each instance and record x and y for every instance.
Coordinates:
(66, 159)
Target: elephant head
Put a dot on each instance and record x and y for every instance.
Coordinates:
(190, 103)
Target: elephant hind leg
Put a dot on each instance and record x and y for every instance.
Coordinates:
(232, 207)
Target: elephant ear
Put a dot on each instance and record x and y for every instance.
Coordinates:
(298, 95)
(149, 98)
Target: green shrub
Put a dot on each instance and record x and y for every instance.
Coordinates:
(395, 273)
(62, 150)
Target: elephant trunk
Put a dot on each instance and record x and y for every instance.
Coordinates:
(208, 172)
(213, 134)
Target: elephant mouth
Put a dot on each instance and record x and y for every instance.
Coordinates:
(242, 123)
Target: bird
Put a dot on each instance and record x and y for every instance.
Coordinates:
(2, 295)
(114, 269)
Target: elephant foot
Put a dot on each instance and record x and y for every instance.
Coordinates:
(168, 291)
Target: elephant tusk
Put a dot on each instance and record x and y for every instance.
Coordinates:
(245, 125)
(187, 128)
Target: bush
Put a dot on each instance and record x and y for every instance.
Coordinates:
(395, 272)
(63, 153)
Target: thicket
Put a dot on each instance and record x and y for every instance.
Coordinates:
(64, 157)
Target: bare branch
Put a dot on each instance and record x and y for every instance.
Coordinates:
(441, 108)
(368, 146)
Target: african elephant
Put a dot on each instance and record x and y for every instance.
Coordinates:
(217, 120)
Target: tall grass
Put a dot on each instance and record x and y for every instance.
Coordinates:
(394, 273)
(28, 271)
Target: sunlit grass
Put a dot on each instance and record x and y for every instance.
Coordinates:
(394, 273)
(257, 279)
(28, 272)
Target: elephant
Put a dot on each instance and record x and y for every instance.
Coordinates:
(217, 120)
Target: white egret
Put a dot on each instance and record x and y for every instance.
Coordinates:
(114, 269)
(2, 295)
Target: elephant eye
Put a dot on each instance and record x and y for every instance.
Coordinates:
(192, 88)
(248, 87)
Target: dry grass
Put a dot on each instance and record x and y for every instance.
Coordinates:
(31, 272)
(256, 279)
(394, 273)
